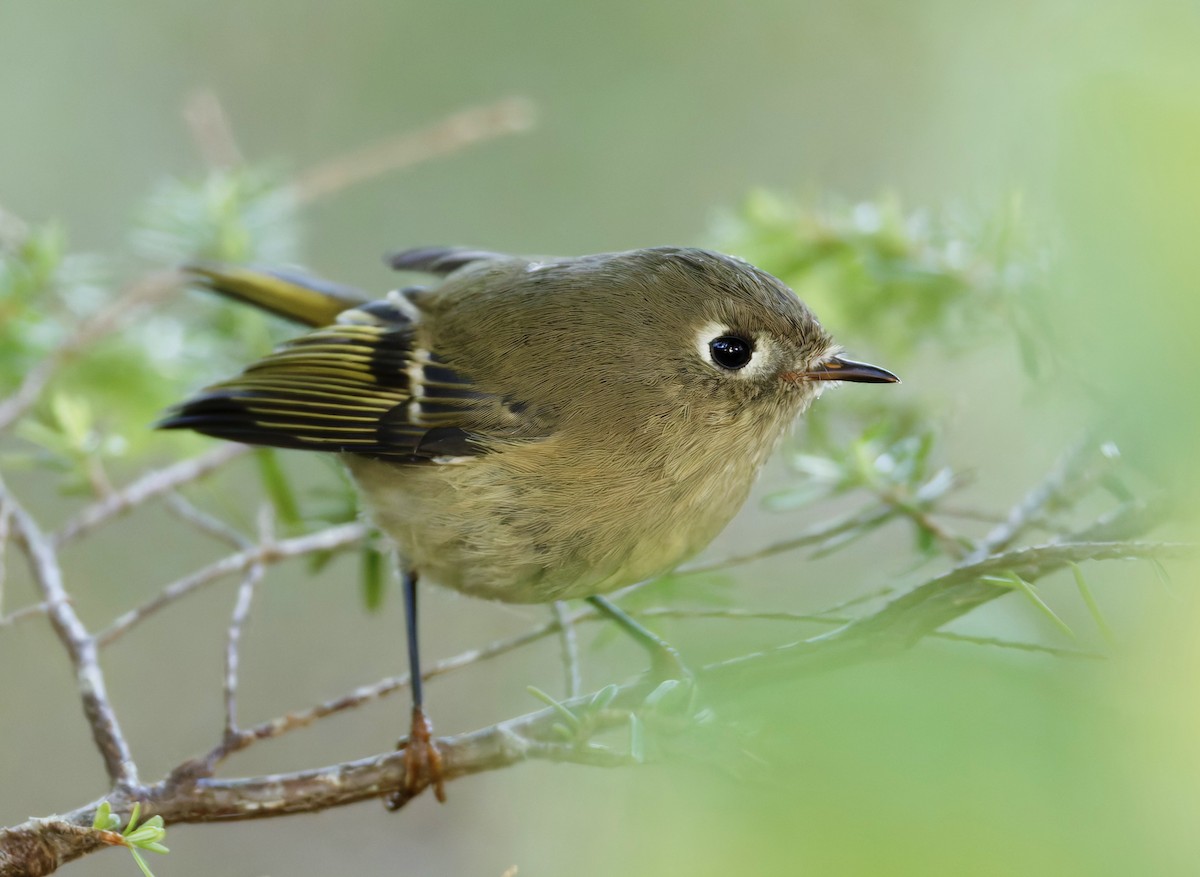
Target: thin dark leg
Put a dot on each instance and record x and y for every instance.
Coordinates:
(422, 761)
(408, 583)
(665, 660)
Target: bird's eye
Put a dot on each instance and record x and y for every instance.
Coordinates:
(731, 352)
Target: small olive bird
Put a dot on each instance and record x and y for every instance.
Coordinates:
(530, 430)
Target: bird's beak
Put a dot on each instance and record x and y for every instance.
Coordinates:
(838, 369)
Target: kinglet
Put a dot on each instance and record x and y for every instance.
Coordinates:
(533, 430)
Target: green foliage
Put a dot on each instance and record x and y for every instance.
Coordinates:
(147, 836)
(233, 215)
(108, 391)
(901, 278)
(43, 290)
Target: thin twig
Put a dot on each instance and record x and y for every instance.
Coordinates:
(153, 483)
(80, 646)
(953, 594)
(23, 613)
(142, 293)
(191, 795)
(210, 127)
(1067, 477)
(823, 618)
(329, 539)
(233, 641)
(203, 521)
(237, 620)
(508, 116)
(864, 519)
(908, 619)
(4, 533)
(858, 600)
(297, 719)
(365, 694)
(814, 536)
(954, 546)
(569, 644)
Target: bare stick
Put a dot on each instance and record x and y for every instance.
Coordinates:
(154, 483)
(210, 128)
(188, 795)
(508, 116)
(23, 613)
(297, 719)
(240, 610)
(4, 533)
(302, 718)
(203, 521)
(329, 539)
(80, 646)
(569, 645)
(863, 520)
(147, 290)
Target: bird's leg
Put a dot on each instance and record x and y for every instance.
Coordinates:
(665, 662)
(422, 761)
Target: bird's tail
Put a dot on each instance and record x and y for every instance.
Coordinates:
(293, 296)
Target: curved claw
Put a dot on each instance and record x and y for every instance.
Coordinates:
(422, 764)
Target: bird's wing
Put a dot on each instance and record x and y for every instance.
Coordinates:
(363, 385)
(442, 260)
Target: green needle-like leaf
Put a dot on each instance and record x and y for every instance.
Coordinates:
(1012, 580)
(637, 739)
(1086, 593)
(569, 717)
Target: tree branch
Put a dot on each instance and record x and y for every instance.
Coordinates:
(152, 484)
(329, 539)
(569, 645)
(190, 795)
(508, 116)
(80, 646)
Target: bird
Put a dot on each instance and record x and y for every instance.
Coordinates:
(532, 429)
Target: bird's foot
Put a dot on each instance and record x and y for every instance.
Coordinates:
(422, 764)
(665, 663)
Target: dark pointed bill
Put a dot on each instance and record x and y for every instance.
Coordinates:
(838, 369)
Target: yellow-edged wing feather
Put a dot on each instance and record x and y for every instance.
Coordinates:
(359, 385)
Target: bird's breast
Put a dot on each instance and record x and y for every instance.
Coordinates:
(557, 519)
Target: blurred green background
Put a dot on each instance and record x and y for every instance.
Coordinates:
(653, 121)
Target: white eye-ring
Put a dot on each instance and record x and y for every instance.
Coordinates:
(730, 351)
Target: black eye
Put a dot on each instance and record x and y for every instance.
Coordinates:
(730, 351)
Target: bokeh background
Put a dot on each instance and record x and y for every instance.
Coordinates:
(653, 121)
